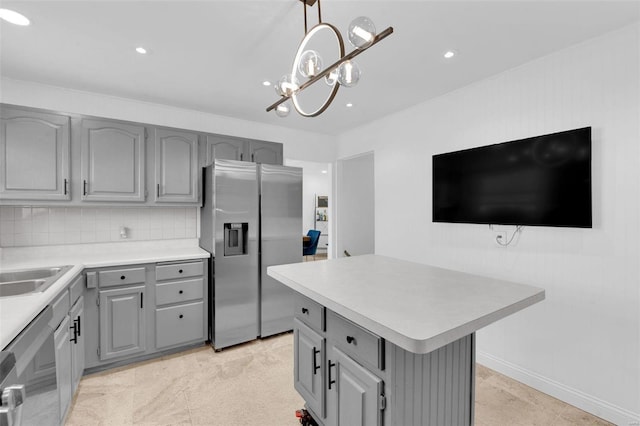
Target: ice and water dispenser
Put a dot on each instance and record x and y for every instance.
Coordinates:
(235, 238)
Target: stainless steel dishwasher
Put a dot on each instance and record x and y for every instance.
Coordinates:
(29, 385)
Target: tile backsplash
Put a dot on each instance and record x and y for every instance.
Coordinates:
(40, 226)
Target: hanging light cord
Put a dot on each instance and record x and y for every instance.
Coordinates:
(517, 231)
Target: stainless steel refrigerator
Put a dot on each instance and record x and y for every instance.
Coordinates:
(251, 219)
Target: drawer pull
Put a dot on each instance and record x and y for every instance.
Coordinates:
(180, 316)
(180, 292)
(316, 367)
(122, 277)
(331, 364)
(180, 271)
(305, 311)
(351, 339)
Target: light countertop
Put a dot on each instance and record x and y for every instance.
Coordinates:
(417, 307)
(16, 312)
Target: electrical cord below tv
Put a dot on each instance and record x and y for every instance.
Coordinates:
(499, 237)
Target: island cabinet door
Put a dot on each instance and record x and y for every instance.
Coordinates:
(354, 396)
(309, 352)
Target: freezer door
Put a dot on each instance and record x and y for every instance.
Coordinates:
(281, 239)
(235, 317)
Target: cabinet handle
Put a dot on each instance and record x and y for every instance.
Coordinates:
(240, 156)
(180, 292)
(74, 339)
(66, 186)
(122, 277)
(158, 191)
(180, 271)
(77, 321)
(141, 300)
(351, 339)
(331, 364)
(84, 187)
(180, 316)
(305, 311)
(316, 367)
(252, 158)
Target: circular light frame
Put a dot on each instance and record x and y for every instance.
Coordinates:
(296, 60)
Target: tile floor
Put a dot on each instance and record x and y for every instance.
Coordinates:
(252, 384)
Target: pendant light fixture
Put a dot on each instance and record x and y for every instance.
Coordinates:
(308, 67)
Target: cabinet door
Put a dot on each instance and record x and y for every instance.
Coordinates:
(354, 397)
(308, 366)
(112, 161)
(63, 365)
(76, 316)
(176, 166)
(221, 148)
(122, 325)
(265, 152)
(34, 155)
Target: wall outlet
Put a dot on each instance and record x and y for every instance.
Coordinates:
(501, 238)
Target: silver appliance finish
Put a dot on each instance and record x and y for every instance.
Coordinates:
(30, 389)
(281, 242)
(241, 308)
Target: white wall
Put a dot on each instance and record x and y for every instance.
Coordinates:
(582, 343)
(298, 144)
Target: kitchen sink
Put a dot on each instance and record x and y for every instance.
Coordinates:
(26, 281)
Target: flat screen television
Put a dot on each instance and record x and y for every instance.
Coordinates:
(539, 181)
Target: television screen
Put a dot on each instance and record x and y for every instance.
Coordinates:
(539, 181)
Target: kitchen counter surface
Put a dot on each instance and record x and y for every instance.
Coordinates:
(417, 307)
(16, 312)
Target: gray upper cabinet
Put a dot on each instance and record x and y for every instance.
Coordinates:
(222, 148)
(34, 155)
(176, 167)
(227, 148)
(113, 159)
(265, 152)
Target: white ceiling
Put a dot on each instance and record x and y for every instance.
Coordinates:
(212, 56)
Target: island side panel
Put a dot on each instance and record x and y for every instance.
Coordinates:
(433, 389)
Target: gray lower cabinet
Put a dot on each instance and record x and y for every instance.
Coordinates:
(176, 167)
(338, 388)
(122, 322)
(112, 161)
(34, 155)
(63, 365)
(180, 316)
(76, 317)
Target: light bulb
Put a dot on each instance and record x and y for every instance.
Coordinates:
(310, 64)
(287, 85)
(332, 77)
(14, 17)
(282, 110)
(348, 73)
(362, 32)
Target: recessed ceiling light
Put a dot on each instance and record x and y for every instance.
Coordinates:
(324, 172)
(349, 104)
(13, 17)
(266, 83)
(141, 50)
(449, 54)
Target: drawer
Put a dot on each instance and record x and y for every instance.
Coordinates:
(121, 277)
(179, 270)
(179, 291)
(310, 312)
(60, 305)
(180, 324)
(76, 288)
(355, 340)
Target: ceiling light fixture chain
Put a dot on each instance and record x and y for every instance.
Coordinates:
(308, 63)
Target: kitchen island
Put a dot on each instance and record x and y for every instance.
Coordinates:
(384, 341)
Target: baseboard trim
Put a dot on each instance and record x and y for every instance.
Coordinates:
(583, 401)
